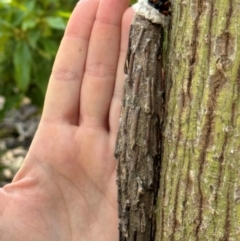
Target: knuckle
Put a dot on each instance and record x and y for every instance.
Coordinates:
(62, 74)
(100, 70)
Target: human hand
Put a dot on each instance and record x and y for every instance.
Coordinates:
(66, 189)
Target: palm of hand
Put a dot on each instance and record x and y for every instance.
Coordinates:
(66, 189)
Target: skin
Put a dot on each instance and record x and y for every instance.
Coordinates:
(66, 189)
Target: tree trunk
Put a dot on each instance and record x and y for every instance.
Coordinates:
(199, 196)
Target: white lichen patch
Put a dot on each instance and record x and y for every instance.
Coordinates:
(143, 8)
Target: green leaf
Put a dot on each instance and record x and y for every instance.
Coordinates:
(64, 14)
(22, 65)
(29, 24)
(33, 36)
(50, 46)
(36, 96)
(30, 5)
(5, 24)
(5, 1)
(56, 23)
(17, 18)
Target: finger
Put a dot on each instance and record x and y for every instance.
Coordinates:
(116, 103)
(101, 66)
(62, 98)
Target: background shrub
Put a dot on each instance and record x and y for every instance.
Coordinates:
(30, 33)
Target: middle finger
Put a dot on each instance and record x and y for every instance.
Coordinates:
(100, 71)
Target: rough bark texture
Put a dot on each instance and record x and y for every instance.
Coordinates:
(138, 143)
(199, 196)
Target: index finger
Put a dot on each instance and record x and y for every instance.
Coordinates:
(62, 98)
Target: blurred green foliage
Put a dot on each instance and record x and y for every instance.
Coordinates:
(30, 32)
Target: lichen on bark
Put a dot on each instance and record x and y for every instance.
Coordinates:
(200, 178)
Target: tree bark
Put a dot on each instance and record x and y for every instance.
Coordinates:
(138, 142)
(199, 196)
